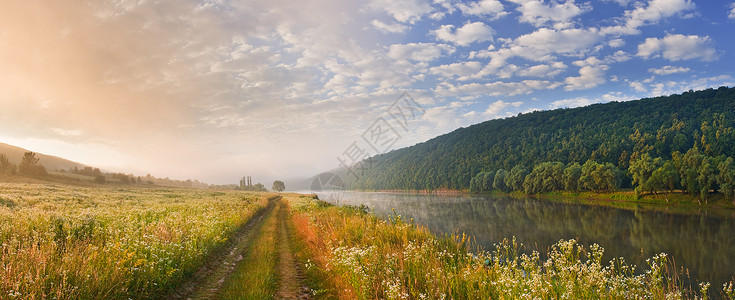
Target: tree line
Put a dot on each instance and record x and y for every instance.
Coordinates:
(691, 172)
(28, 166)
(615, 133)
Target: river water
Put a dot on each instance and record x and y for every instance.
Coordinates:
(701, 241)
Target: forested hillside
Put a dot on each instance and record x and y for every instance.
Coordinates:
(610, 135)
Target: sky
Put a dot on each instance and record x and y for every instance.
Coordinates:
(274, 89)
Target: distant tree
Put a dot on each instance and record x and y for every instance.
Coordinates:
(487, 181)
(259, 187)
(29, 166)
(707, 177)
(499, 181)
(600, 177)
(100, 179)
(571, 177)
(689, 171)
(278, 186)
(5, 166)
(664, 178)
(641, 171)
(606, 177)
(516, 177)
(726, 177)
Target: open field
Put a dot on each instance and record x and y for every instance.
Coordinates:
(69, 242)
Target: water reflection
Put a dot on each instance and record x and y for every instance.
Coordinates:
(705, 244)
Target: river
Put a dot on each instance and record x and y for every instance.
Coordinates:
(701, 241)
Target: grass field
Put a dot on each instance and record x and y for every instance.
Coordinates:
(69, 242)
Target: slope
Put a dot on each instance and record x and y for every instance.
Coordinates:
(615, 132)
(15, 154)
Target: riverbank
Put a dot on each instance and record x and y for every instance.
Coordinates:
(624, 198)
(365, 257)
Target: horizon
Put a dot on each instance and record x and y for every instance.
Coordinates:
(214, 91)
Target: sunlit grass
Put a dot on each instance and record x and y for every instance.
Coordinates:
(255, 276)
(369, 258)
(68, 242)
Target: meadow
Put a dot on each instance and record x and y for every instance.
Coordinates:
(70, 242)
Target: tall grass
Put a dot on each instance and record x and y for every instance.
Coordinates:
(67, 242)
(255, 276)
(369, 258)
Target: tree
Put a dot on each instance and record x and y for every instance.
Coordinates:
(278, 186)
(707, 177)
(5, 166)
(664, 178)
(487, 181)
(516, 177)
(499, 181)
(571, 177)
(726, 177)
(641, 171)
(29, 166)
(689, 170)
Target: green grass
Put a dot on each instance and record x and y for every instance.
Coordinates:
(255, 276)
(70, 242)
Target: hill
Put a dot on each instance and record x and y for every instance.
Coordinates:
(615, 133)
(15, 154)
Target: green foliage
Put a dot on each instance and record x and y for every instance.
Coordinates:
(278, 186)
(6, 168)
(571, 177)
(726, 177)
(30, 167)
(499, 183)
(545, 177)
(615, 133)
(516, 177)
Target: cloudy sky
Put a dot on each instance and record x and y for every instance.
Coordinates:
(215, 90)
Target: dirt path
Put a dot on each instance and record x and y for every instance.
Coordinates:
(290, 275)
(207, 282)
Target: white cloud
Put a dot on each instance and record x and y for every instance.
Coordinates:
(498, 88)
(543, 70)
(731, 14)
(571, 103)
(678, 47)
(405, 11)
(621, 2)
(589, 77)
(638, 86)
(666, 70)
(499, 106)
(658, 88)
(539, 13)
(615, 43)
(389, 28)
(544, 41)
(541, 45)
(460, 69)
(465, 35)
(490, 8)
(655, 11)
(419, 51)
